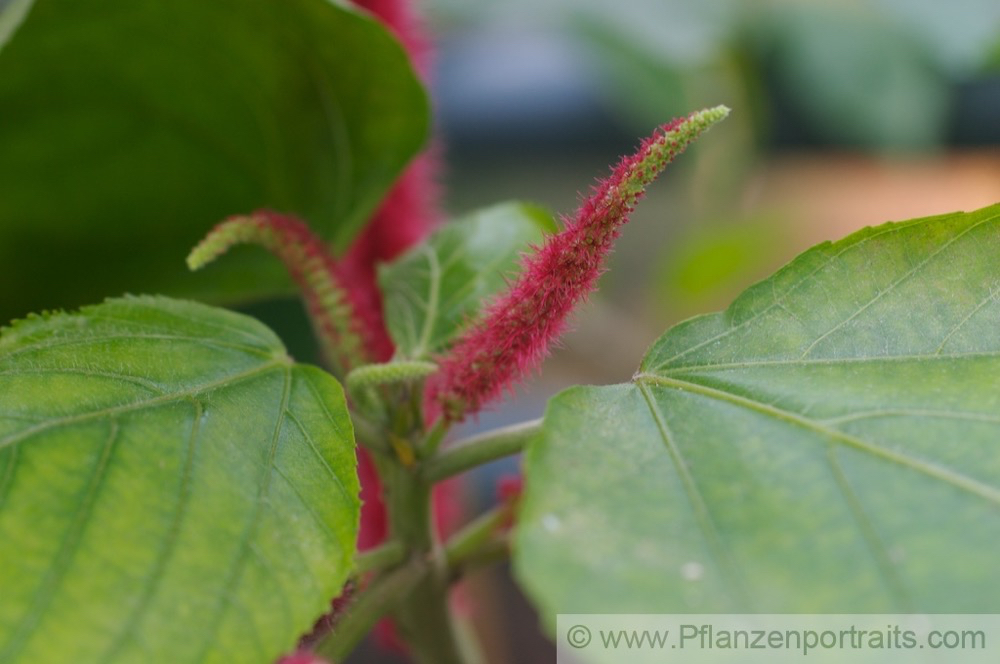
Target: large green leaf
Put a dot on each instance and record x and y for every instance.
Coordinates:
(130, 127)
(830, 443)
(433, 290)
(173, 488)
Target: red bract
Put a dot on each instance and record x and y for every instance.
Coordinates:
(518, 327)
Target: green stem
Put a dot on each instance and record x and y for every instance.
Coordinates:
(493, 551)
(423, 616)
(468, 641)
(481, 449)
(371, 605)
(379, 558)
(434, 438)
(478, 535)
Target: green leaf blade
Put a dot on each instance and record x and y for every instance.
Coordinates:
(827, 444)
(436, 288)
(209, 518)
(130, 128)
(876, 314)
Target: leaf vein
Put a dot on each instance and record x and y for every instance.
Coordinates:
(224, 382)
(68, 548)
(929, 469)
(869, 533)
(958, 326)
(793, 287)
(830, 361)
(167, 547)
(44, 371)
(698, 503)
(87, 340)
(895, 284)
(315, 451)
(238, 565)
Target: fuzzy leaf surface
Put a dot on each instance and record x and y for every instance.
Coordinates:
(829, 443)
(434, 289)
(130, 127)
(173, 488)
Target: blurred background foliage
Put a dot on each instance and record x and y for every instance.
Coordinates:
(847, 114)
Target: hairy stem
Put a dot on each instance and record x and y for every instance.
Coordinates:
(423, 617)
(381, 557)
(483, 540)
(477, 450)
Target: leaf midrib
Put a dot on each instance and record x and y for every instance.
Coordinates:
(259, 351)
(778, 298)
(139, 405)
(831, 361)
(948, 476)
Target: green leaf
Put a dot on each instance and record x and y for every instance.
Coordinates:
(130, 127)
(826, 444)
(173, 488)
(436, 288)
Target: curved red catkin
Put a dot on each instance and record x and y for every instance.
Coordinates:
(311, 266)
(517, 328)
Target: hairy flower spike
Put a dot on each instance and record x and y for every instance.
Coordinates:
(517, 328)
(310, 265)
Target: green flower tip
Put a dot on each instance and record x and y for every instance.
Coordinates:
(232, 231)
(391, 372)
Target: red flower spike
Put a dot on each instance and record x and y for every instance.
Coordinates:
(311, 266)
(517, 328)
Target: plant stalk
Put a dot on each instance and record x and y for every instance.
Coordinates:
(423, 616)
(371, 605)
(379, 558)
(480, 449)
(484, 534)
